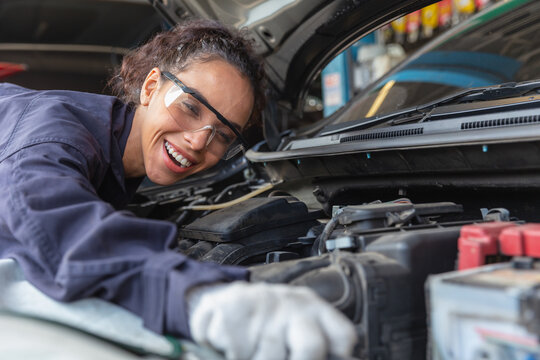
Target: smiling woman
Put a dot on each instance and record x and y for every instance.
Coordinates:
(70, 162)
(166, 139)
(221, 80)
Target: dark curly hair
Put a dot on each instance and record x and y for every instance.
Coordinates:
(192, 41)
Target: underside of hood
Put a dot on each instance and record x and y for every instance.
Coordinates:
(296, 37)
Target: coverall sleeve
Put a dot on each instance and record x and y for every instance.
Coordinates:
(73, 245)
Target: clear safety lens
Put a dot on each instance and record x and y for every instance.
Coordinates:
(191, 115)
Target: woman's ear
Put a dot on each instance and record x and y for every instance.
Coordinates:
(149, 86)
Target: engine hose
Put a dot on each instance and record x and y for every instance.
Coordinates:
(254, 193)
(179, 220)
(229, 188)
(320, 242)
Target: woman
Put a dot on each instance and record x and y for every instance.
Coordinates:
(70, 161)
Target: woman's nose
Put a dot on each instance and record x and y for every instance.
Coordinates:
(199, 139)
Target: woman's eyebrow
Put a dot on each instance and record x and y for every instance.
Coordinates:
(196, 94)
(234, 124)
(238, 127)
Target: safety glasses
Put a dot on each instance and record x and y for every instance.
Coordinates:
(190, 109)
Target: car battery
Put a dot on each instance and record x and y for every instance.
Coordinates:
(489, 312)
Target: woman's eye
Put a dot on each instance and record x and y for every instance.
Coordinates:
(191, 108)
(224, 137)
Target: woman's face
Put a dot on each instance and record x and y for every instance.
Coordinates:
(174, 135)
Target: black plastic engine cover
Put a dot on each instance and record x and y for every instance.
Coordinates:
(252, 228)
(247, 218)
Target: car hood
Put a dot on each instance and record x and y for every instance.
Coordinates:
(296, 37)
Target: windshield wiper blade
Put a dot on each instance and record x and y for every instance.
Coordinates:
(422, 112)
(495, 92)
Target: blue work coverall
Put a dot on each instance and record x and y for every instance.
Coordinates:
(62, 190)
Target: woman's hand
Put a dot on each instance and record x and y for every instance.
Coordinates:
(268, 321)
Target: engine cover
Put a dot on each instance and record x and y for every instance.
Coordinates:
(236, 234)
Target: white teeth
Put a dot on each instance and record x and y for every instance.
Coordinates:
(182, 160)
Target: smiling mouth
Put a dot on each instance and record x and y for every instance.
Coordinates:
(176, 157)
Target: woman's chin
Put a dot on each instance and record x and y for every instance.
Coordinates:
(162, 179)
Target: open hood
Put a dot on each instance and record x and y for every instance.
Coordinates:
(296, 37)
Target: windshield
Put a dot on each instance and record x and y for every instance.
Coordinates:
(497, 46)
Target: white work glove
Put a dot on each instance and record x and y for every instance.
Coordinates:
(268, 321)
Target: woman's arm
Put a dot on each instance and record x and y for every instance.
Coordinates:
(72, 245)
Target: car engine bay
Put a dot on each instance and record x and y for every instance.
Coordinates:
(370, 259)
(418, 223)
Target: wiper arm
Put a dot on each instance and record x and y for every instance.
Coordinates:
(422, 112)
(495, 92)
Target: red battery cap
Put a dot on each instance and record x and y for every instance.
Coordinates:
(477, 241)
(521, 240)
